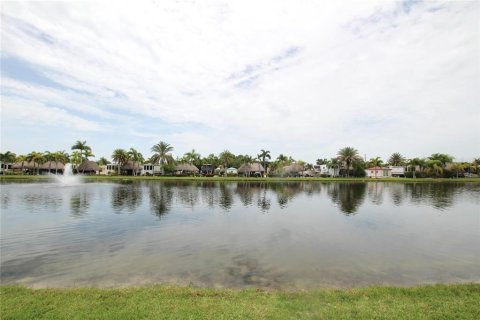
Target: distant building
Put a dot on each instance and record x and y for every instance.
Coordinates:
(397, 171)
(378, 172)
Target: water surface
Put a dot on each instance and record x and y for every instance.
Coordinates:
(276, 235)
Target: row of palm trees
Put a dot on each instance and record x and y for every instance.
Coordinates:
(347, 162)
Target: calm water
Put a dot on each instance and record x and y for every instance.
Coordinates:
(279, 235)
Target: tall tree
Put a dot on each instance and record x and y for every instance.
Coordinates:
(442, 157)
(120, 157)
(334, 164)
(192, 157)
(7, 157)
(435, 168)
(162, 154)
(60, 156)
(319, 162)
(103, 161)
(136, 156)
(264, 154)
(37, 159)
(396, 159)
(76, 158)
(348, 156)
(84, 149)
(21, 158)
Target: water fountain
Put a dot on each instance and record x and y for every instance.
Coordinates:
(68, 178)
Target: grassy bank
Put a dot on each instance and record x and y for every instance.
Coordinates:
(241, 179)
(428, 302)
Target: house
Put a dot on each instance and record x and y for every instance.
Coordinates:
(207, 170)
(251, 169)
(378, 172)
(324, 170)
(88, 167)
(5, 167)
(131, 168)
(185, 169)
(149, 169)
(232, 171)
(397, 171)
(292, 170)
(51, 167)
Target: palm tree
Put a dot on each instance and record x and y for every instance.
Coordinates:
(7, 157)
(49, 157)
(36, 158)
(435, 167)
(192, 157)
(396, 159)
(334, 164)
(282, 157)
(84, 149)
(60, 156)
(120, 157)
(161, 153)
(443, 158)
(103, 161)
(135, 156)
(262, 156)
(348, 156)
(413, 163)
(76, 158)
(21, 158)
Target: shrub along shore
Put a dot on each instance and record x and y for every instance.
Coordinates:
(459, 301)
(242, 179)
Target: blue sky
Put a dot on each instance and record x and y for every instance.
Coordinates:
(302, 79)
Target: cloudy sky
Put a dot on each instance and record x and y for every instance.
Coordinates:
(302, 78)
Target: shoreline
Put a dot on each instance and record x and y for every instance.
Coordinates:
(456, 301)
(240, 179)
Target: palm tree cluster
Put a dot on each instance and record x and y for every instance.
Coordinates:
(347, 162)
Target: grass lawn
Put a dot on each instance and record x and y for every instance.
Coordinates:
(165, 302)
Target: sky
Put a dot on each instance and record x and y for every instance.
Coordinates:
(300, 78)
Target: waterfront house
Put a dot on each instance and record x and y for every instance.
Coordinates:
(185, 169)
(88, 167)
(207, 170)
(378, 172)
(251, 169)
(149, 169)
(397, 171)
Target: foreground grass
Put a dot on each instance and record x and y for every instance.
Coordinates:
(240, 179)
(159, 302)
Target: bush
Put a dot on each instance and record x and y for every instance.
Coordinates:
(359, 172)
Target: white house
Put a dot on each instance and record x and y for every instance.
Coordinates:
(323, 169)
(397, 171)
(149, 169)
(378, 172)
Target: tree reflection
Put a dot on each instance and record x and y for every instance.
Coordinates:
(439, 195)
(226, 197)
(126, 196)
(79, 203)
(160, 198)
(348, 196)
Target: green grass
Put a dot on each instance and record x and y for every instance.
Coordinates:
(240, 179)
(164, 302)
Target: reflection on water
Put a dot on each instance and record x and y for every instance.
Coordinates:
(295, 234)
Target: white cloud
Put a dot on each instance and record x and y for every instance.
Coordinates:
(299, 78)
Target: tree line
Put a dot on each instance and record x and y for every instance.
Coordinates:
(347, 162)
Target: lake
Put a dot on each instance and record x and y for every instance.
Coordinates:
(239, 234)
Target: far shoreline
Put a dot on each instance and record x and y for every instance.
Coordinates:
(90, 178)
